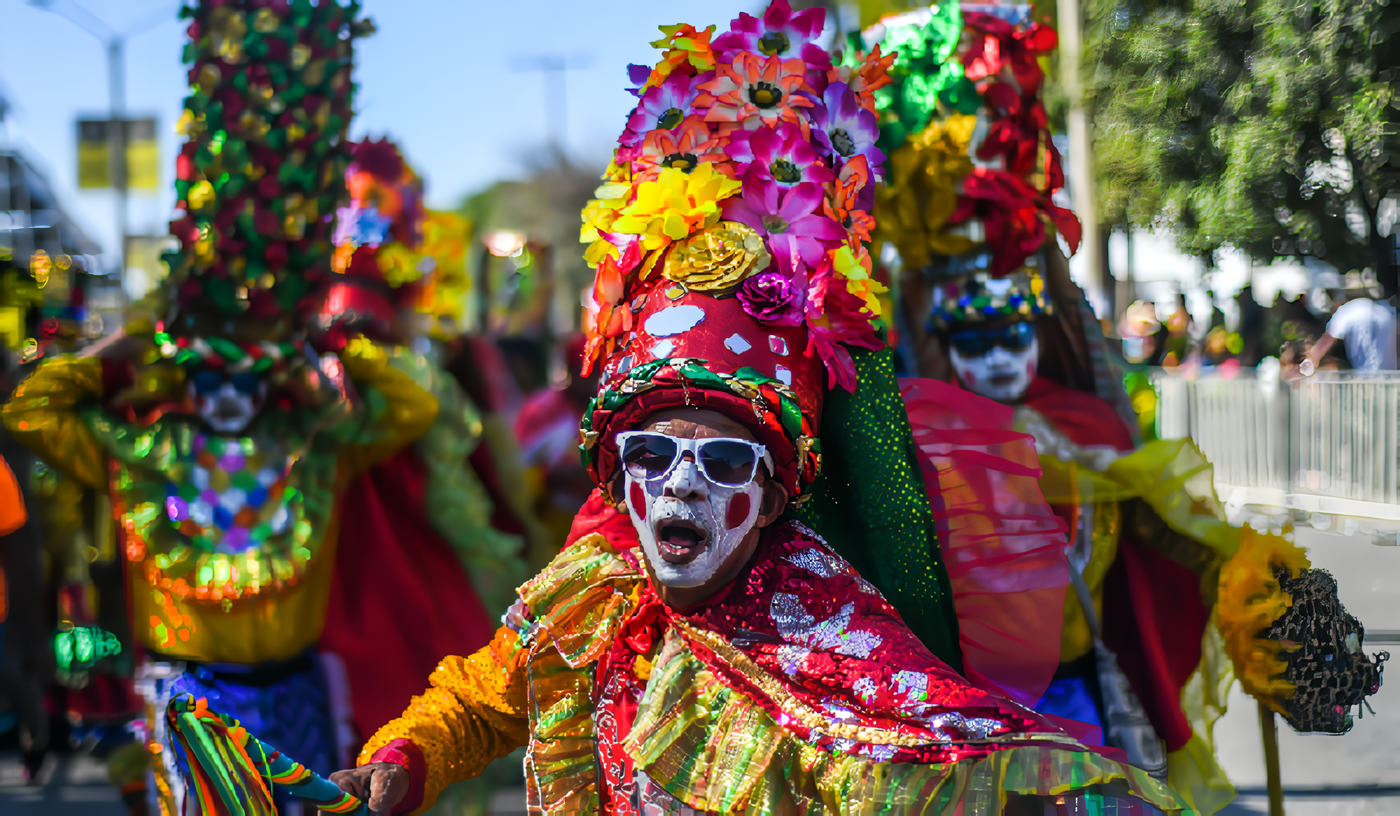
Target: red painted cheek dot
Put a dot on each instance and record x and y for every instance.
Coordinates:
(637, 499)
(738, 511)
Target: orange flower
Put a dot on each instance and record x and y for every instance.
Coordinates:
(607, 315)
(682, 45)
(683, 148)
(841, 206)
(755, 91)
(866, 78)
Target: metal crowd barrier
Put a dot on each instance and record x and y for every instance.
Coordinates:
(1323, 449)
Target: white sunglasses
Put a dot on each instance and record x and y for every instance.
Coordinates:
(725, 462)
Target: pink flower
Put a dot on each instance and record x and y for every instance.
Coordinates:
(663, 107)
(779, 33)
(836, 317)
(788, 218)
(780, 155)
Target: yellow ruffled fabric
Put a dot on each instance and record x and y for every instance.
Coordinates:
(1250, 601)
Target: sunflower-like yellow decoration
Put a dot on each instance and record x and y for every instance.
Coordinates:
(719, 257)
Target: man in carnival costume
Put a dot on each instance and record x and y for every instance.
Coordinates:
(696, 647)
(421, 520)
(1162, 587)
(226, 450)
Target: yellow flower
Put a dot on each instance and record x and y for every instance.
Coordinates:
(600, 213)
(718, 257)
(855, 269)
(675, 204)
(921, 191)
(398, 264)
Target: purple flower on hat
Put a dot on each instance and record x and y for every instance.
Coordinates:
(778, 33)
(788, 219)
(774, 298)
(840, 126)
(663, 107)
(779, 154)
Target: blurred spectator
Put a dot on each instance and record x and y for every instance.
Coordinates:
(1251, 326)
(1178, 338)
(1366, 326)
(548, 432)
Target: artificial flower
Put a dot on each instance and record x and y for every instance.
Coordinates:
(854, 266)
(718, 257)
(683, 45)
(1011, 210)
(779, 33)
(836, 319)
(774, 298)
(788, 219)
(781, 155)
(675, 204)
(663, 107)
(753, 91)
(600, 213)
(841, 126)
(1014, 134)
(866, 77)
(683, 148)
(361, 226)
(606, 314)
(996, 44)
(851, 199)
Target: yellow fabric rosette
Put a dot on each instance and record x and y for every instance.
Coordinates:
(719, 257)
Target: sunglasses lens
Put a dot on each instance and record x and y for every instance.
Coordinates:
(971, 344)
(649, 456)
(246, 383)
(728, 463)
(208, 382)
(1019, 336)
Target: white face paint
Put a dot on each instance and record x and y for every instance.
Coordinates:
(689, 526)
(228, 410)
(1000, 374)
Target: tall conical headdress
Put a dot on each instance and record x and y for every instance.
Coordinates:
(263, 169)
(730, 243)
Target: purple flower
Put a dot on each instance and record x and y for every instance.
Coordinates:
(663, 107)
(843, 128)
(778, 33)
(774, 298)
(780, 156)
(788, 219)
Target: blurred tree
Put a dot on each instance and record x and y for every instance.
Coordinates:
(1272, 125)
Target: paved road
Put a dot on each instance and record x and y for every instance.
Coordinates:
(1362, 769)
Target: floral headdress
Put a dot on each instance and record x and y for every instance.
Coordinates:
(972, 166)
(729, 237)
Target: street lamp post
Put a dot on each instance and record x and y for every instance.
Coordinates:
(116, 91)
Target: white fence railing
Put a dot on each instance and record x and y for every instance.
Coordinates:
(1325, 449)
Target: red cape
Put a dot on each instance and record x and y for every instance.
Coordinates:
(400, 598)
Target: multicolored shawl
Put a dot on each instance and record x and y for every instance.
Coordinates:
(797, 680)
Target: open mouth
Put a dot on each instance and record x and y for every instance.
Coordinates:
(1003, 379)
(679, 541)
(229, 409)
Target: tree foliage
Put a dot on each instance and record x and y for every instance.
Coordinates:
(1267, 124)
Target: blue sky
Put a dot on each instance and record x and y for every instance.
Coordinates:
(440, 77)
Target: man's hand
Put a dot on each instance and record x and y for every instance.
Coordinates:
(381, 785)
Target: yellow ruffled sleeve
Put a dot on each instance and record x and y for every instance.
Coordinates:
(43, 415)
(475, 711)
(410, 413)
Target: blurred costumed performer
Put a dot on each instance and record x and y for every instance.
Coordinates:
(420, 521)
(698, 646)
(226, 451)
(1162, 588)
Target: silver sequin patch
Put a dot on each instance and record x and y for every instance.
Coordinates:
(796, 626)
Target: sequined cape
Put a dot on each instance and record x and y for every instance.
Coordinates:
(798, 684)
(56, 413)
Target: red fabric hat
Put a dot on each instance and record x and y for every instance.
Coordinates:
(693, 349)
